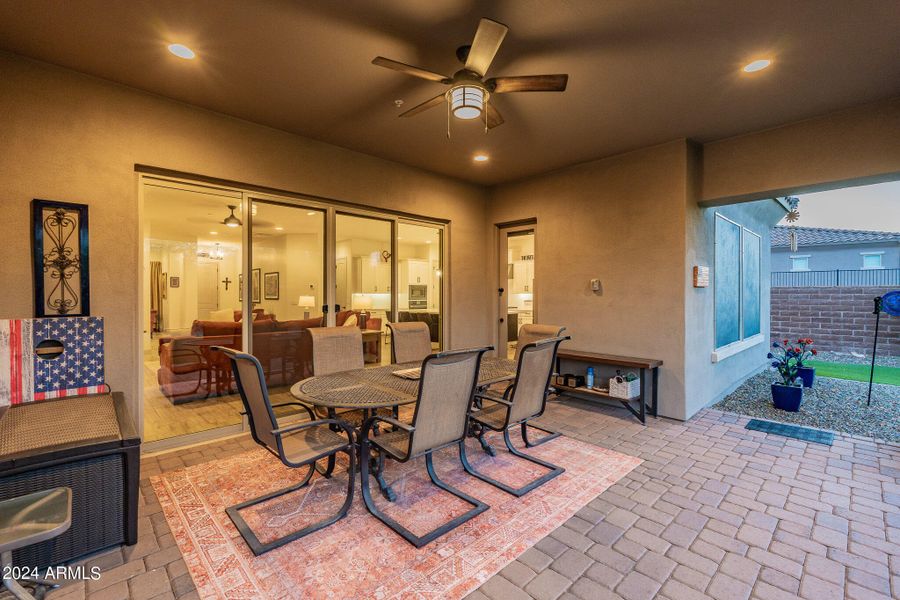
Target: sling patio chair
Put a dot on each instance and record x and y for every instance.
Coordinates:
(522, 401)
(296, 445)
(410, 341)
(534, 332)
(446, 388)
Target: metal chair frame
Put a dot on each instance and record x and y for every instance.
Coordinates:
(478, 506)
(479, 428)
(253, 541)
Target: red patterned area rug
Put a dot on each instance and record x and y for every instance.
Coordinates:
(359, 557)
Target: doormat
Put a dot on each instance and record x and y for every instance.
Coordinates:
(806, 434)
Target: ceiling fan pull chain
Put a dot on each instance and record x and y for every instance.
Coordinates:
(484, 114)
(448, 120)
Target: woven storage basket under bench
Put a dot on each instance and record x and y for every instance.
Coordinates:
(87, 443)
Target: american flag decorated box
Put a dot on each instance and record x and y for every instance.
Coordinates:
(26, 376)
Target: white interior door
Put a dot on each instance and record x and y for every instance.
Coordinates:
(207, 288)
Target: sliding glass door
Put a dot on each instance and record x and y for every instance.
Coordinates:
(286, 290)
(364, 279)
(254, 272)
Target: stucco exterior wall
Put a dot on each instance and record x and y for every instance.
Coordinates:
(67, 136)
(621, 220)
(707, 381)
(852, 147)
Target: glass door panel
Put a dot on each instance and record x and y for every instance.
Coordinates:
(364, 271)
(517, 302)
(192, 260)
(286, 290)
(420, 266)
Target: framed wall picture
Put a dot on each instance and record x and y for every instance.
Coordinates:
(240, 287)
(174, 282)
(254, 285)
(270, 286)
(59, 240)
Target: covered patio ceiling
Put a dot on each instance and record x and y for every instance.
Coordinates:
(641, 72)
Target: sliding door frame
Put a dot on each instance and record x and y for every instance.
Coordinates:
(331, 209)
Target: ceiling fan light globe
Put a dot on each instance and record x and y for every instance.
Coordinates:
(466, 101)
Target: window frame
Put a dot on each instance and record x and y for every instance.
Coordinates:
(721, 352)
(798, 256)
(865, 255)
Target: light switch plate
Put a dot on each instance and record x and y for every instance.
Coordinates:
(595, 285)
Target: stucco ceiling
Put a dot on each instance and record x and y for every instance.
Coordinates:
(641, 71)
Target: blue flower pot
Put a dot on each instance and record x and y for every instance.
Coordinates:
(787, 397)
(807, 375)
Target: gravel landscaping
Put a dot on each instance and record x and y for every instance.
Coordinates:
(858, 359)
(833, 404)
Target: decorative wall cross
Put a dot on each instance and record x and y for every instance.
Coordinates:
(226, 281)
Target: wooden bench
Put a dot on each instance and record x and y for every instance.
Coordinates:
(577, 362)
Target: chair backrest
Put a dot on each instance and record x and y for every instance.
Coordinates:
(336, 349)
(251, 385)
(533, 374)
(446, 388)
(410, 341)
(533, 332)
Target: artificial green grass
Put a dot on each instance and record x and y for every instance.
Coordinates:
(887, 375)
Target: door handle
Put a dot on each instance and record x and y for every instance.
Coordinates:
(502, 320)
(500, 291)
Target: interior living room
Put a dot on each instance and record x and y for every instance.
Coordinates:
(313, 300)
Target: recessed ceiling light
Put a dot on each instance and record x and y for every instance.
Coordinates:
(481, 158)
(311, 213)
(279, 229)
(182, 51)
(757, 65)
(427, 241)
(213, 233)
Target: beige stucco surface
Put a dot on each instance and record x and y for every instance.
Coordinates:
(69, 137)
(620, 220)
(856, 146)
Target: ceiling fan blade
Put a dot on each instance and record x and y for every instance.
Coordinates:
(528, 83)
(493, 116)
(424, 106)
(487, 41)
(409, 69)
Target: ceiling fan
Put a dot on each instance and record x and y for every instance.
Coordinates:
(469, 96)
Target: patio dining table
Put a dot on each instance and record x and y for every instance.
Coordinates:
(377, 387)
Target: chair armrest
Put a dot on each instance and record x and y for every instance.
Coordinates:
(396, 423)
(295, 427)
(312, 415)
(493, 398)
(367, 426)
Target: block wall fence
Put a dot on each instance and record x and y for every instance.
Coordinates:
(839, 319)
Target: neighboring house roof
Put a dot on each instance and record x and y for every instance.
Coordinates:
(820, 236)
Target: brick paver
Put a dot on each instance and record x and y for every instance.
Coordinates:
(715, 511)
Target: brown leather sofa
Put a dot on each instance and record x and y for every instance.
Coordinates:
(189, 370)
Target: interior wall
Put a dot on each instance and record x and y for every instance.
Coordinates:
(71, 137)
(621, 220)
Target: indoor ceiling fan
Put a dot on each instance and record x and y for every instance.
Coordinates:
(469, 96)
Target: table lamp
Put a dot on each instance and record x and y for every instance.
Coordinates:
(363, 303)
(306, 302)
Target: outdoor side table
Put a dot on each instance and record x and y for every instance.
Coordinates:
(28, 520)
(86, 443)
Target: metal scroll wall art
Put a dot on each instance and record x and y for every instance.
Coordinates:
(61, 274)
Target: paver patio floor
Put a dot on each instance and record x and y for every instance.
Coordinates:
(714, 511)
